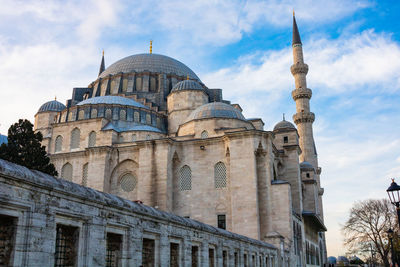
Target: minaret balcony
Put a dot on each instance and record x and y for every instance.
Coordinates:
(303, 117)
(301, 93)
(299, 68)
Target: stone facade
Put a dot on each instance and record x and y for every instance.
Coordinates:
(148, 129)
(46, 221)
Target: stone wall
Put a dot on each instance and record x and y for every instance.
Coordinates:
(101, 227)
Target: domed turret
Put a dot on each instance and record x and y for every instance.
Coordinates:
(187, 85)
(216, 110)
(53, 105)
(284, 126)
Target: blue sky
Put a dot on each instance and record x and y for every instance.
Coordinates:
(352, 49)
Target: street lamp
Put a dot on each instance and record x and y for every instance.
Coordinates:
(394, 196)
(390, 236)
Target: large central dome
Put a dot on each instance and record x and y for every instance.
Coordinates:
(151, 63)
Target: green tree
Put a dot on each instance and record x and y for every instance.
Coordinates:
(366, 227)
(24, 148)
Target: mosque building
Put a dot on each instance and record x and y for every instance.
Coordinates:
(149, 130)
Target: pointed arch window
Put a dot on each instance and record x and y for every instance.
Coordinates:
(92, 139)
(108, 114)
(66, 172)
(220, 175)
(75, 138)
(128, 182)
(148, 119)
(93, 114)
(204, 134)
(122, 114)
(185, 178)
(81, 114)
(58, 144)
(85, 174)
(136, 116)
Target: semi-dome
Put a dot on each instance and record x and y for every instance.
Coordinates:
(187, 85)
(306, 166)
(110, 100)
(53, 105)
(151, 63)
(284, 125)
(216, 110)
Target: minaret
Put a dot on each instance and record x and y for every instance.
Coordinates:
(102, 65)
(303, 118)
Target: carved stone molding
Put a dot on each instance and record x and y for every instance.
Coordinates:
(303, 117)
(301, 93)
(299, 68)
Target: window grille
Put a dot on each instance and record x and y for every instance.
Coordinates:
(7, 240)
(204, 134)
(66, 172)
(224, 258)
(85, 174)
(75, 138)
(148, 119)
(221, 221)
(66, 246)
(93, 114)
(92, 139)
(122, 114)
(220, 175)
(195, 256)
(211, 257)
(174, 255)
(134, 137)
(108, 113)
(136, 116)
(58, 144)
(114, 247)
(128, 182)
(158, 123)
(148, 255)
(72, 115)
(81, 115)
(185, 178)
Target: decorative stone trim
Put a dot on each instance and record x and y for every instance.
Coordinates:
(301, 93)
(303, 117)
(299, 68)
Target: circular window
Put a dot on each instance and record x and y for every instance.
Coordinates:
(128, 182)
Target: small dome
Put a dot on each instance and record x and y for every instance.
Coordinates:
(284, 125)
(108, 99)
(53, 105)
(306, 166)
(187, 85)
(331, 260)
(216, 110)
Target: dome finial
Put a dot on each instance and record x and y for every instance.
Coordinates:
(283, 116)
(55, 98)
(151, 46)
(187, 77)
(103, 52)
(293, 12)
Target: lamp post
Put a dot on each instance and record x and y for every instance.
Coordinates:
(394, 197)
(390, 236)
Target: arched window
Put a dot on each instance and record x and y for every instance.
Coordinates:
(148, 137)
(85, 174)
(134, 137)
(148, 119)
(122, 114)
(66, 172)
(93, 114)
(136, 116)
(92, 139)
(75, 138)
(220, 175)
(58, 144)
(204, 134)
(108, 114)
(185, 178)
(128, 182)
(81, 114)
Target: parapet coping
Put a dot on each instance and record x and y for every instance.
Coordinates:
(18, 172)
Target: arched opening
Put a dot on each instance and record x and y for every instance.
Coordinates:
(66, 171)
(58, 144)
(92, 139)
(219, 175)
(75, 138)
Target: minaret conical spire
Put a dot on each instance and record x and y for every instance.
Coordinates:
(296, 36)
(102, 65)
